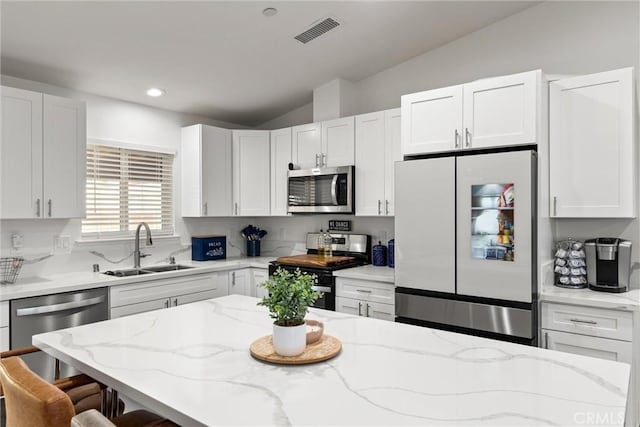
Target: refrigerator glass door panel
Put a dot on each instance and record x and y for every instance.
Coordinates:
(425, 224)
(494, 225)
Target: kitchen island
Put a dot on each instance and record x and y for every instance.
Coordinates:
(192, 364)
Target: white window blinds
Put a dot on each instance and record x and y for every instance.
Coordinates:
(126, 187)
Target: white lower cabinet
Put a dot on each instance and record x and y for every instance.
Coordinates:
(259, 276)
(602, 348)
(165, 293)
(4, 325)
(240, 282)
(365, 298)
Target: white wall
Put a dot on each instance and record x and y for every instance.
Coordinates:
(299, 116)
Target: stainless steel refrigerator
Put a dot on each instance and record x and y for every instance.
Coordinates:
(465, 244)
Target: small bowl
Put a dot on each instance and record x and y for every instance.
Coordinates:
(315, 329)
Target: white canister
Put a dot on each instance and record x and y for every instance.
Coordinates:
(289, 340)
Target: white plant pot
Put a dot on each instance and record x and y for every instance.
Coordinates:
(289, 340)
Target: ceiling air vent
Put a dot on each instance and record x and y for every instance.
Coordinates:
(317, 30)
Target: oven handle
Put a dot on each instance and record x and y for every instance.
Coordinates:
(334, 190)
(325, 289)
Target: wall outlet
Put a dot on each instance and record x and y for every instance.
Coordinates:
(61, 244)
(17, 241)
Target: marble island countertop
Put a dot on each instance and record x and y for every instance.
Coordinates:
(75, 281)
(192, 364)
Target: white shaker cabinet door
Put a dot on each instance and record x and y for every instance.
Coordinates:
(338, 142)
(216, 172)
(424, 223)
(591, 146)
(21, 154)
(306, 150)
(432, 121)
(393, 154)
(501, 111)
(64, 157)
(370, 163)
(280, 159)
(251, 174)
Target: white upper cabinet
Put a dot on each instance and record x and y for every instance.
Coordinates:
(377, 149)
(501, 111)
(494, 112)
(591, 146)
(326, 144)
(65, 157)
(280, 159)
(206, 171)
(432, 121)
(251, 173)
(43, 155)
(338, 142)
(307, 145)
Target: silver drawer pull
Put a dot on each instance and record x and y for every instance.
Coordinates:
(366, 291)
(589, 322)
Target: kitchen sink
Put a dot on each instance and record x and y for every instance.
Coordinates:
(162, 268)
(146, 270)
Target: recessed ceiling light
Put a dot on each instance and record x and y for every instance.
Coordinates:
(270, 11)
(155, 92)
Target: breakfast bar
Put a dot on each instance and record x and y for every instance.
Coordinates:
(192, 364)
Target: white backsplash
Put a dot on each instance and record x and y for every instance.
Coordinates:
(286, 236)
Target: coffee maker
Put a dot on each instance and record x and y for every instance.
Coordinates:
(608, 264)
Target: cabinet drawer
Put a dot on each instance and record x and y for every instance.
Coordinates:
(4, 313)
(602, 348)
(140, 307)
(597, 322)
(163, 288)
(365, 290)
(4, 339)
(365, 308)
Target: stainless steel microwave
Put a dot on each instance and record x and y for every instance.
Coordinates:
(321, 190)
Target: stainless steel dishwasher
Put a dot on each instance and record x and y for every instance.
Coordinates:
(35, 315)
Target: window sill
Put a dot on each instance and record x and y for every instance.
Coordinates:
(120, 240)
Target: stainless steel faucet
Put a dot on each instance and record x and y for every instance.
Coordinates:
(136, 252)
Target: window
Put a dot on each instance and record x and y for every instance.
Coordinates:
(126, 187)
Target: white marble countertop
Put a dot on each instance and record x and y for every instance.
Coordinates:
(75, 281)
(368, 272)
(191, 364)
(628, 301)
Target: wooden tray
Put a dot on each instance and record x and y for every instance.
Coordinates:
(314, 260)
(323, 349)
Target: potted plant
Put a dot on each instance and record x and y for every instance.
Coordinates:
(289, 298)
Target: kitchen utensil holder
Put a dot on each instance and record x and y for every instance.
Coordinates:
(570, 268)
(10, 268)
(253, 247)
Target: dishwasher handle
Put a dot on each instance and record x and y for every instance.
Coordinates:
(54, 308)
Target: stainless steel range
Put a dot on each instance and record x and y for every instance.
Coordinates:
(349, 250)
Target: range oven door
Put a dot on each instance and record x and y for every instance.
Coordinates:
(321, 190)
(326, 284)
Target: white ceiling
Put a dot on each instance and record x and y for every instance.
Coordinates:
(225, 60)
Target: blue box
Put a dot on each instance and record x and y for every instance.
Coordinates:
(207, 248)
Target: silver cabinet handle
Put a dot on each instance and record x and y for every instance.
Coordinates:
(366, 291)
(54, 308)
(324, 160)
(386, 207)
(175, 302)
(588, 322)
(236, 207)
(317, 160)
(456, 138)
(367, 312)
(359, 308)
(233, 278)
(546, 340)
(555, 206)
(205, 208)
(38, 208)
(379, 207)
(166, 304)
(49, 208)
(467, 137)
